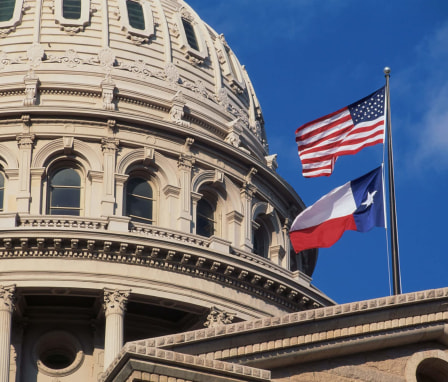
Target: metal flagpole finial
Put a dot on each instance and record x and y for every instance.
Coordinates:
(386, 70)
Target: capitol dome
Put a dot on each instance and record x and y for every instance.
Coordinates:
(137, 194)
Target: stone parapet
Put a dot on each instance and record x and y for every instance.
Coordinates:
(313, 334)
(149, 364)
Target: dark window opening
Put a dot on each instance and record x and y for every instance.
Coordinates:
(261, 242)
(139, 200)
(7, 9)
(65, 193)
(205, 219)
(135, 15)
(191, 35)
(71, 9)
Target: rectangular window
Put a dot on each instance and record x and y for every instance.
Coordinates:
(191, 35)
(7, 9)
(135, 15)
(71, 9)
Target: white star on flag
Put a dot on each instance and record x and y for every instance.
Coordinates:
(369, 200)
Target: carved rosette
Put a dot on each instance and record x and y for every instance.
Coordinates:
(115, 301)
(7, 298)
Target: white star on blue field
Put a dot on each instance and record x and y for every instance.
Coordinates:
(309, 58)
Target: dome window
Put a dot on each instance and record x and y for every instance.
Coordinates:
(71, 9)
(7, 10)
(10, 14)
(135, 15)
(193, 44)
(72, 15)
(139, 200)
(65, 192)
(190, 34)
(205, 219)
(136, 20)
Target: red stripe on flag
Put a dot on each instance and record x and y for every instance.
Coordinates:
(323, 235)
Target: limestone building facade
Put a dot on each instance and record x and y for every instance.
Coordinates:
(143, 226)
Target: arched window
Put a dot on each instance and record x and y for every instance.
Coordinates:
(432, 370)
(2, 191)
(205, 218)
(135, 14)
(7, 9)
(71, 9)
(261, 239)
(139, 200)
(65, 192)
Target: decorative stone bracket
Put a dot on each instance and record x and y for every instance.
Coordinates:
(177, 112)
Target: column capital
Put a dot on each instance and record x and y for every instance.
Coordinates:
(110, 145)
(7, 297)
(115, 300)
(25, 141)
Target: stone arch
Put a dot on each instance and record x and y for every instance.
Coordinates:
(429, 363)
(152, 158)
(8, 158)
(67, 144)
(260, 208)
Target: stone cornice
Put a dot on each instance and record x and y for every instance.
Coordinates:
(192, 364)
(38, 239)
(320, 333)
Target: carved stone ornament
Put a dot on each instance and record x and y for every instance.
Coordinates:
(233, 139)
(115, 301)
(177, 110)
(271, 161)
(31, 85)
(218, 317)
(7, 297)
(172, 74)
(35, 55)
(107, 58)
(108, 93)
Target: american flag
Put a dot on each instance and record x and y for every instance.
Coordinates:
(343, 132)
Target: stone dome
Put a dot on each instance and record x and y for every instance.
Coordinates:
(137, 194)
(155, 60)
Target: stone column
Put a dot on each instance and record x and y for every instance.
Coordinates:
(6, 309)
(114, 306)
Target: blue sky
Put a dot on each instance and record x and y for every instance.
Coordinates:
(307, 58)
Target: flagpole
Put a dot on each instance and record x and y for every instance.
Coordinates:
(392, 208)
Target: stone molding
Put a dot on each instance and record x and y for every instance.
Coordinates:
(315, 334)
(161, 358)
(227, 270)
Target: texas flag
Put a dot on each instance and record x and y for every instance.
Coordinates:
(357, 206)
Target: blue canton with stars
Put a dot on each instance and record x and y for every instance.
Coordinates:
(368, 108)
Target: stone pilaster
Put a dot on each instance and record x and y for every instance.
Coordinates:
(114, 307)
(110, 147)
(6, 309)
(25, 142)
(247, 193)
(185, 165)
